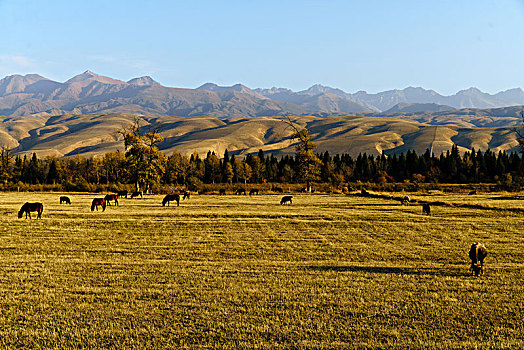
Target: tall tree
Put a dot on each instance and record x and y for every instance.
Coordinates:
(307, 163)
(145, 163)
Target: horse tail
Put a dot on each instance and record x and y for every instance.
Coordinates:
(164, 201)
(177, 198)
(40, 210)
(93, 205)
(103, 204)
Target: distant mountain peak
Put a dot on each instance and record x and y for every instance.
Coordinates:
(143, 81)
(88, 75)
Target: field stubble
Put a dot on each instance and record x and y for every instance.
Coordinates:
(239, 271)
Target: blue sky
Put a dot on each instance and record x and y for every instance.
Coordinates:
(353, 45)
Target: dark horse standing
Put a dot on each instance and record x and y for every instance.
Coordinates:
(98, 202)
(187, 195)
(27, 208)
(111, 197)
(171, 197)
(65, 199)
(122, 193)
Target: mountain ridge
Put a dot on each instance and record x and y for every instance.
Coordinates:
(88, 92)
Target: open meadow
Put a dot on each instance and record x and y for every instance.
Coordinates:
(329, 271)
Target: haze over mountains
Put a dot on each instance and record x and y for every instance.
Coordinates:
(88, 92)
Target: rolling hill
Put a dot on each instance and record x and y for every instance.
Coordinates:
(95, 134)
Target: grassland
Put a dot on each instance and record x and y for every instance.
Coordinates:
(244, 272)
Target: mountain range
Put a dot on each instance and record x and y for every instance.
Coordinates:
(88, 92)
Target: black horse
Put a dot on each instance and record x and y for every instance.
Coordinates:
(187, 195)
(222, 192)
(253, 191)
(27, 208)
(240, 191)
(65, 199)
(98, 202)
(171, 197)
(286, 199)
(122, 194)
(111, 197)
(136, 194)
(426, 209)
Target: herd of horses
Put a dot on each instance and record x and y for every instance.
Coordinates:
(477, 252)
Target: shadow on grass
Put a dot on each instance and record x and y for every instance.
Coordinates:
(420, 271)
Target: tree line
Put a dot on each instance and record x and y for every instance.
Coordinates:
(145, 167)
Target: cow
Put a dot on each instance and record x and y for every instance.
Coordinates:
(241, 191)
(253, 191)
(65, 199)
(286, 199)
(111, 197)
(171, 197)
(222, 192)
(477, 253)
(426, 209)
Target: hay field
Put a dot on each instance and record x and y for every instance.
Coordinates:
(244, 272)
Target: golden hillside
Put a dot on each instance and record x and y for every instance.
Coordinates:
(92, 134)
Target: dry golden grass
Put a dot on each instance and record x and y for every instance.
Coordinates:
(245, 272)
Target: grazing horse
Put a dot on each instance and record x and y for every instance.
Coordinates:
(241, 191)
(286, 199)
(27, 208)
(171, 197)
(477, 253)
(98, 202)
(253, 191)
(111, 197)
(406, 200)
(136, 194)
(65, 199)
(278, 189)
(187, 195)
(426, 208)
(122, 193)
(222, 192)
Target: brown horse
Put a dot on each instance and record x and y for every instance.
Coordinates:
(27, 208)
(111, 197)
(171, 197)
(98, 202)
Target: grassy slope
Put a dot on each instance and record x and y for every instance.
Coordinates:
(235, 271)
